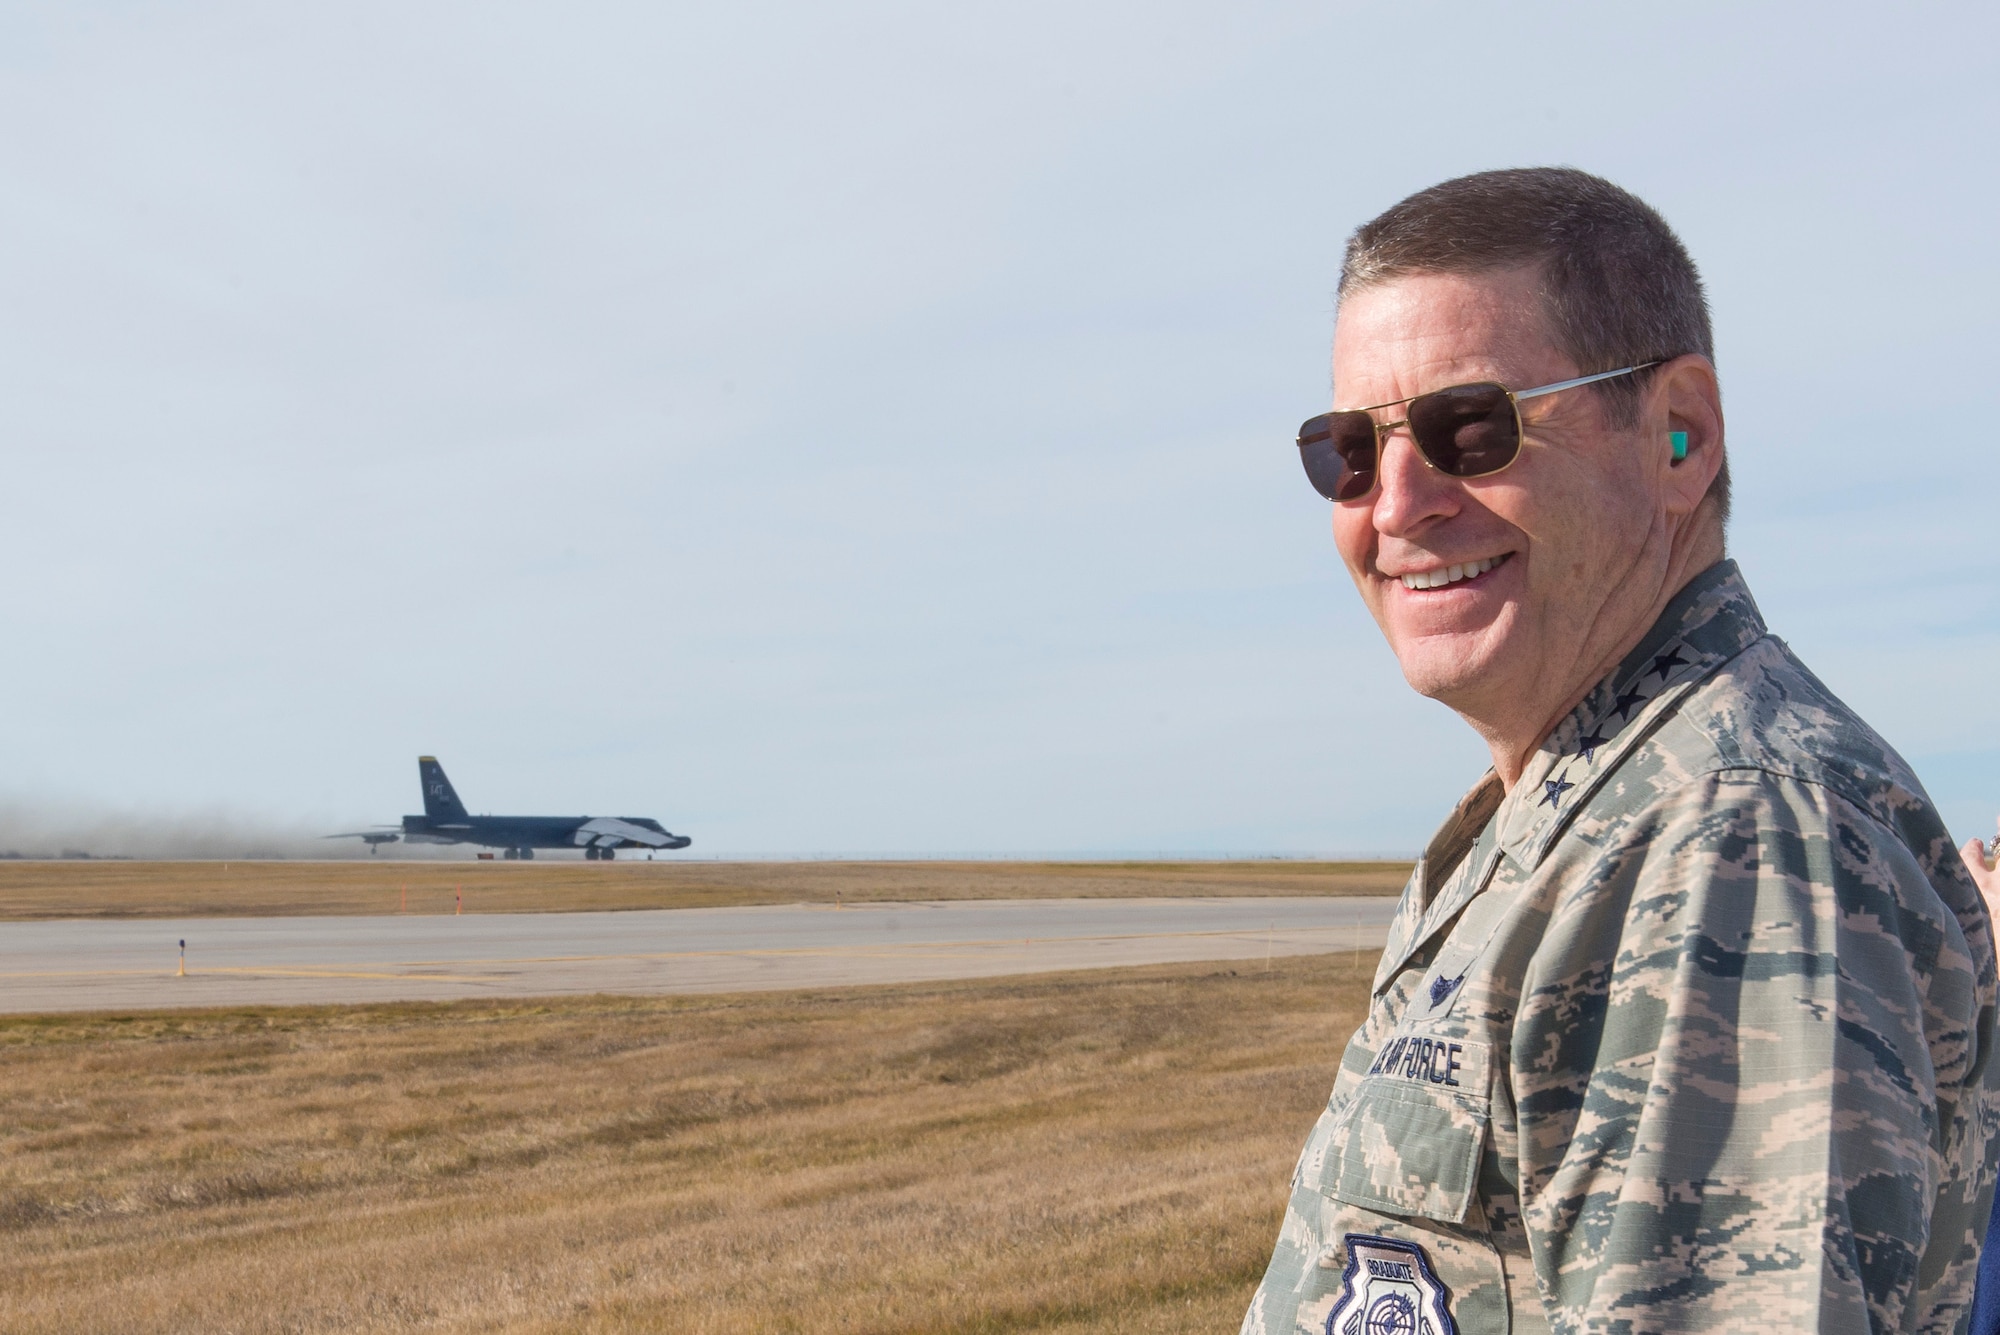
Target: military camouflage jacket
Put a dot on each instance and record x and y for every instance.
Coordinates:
(1691, 1031)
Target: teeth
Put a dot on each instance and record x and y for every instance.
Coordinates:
(1437, 579)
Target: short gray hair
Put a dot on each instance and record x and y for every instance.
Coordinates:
(1618, 287)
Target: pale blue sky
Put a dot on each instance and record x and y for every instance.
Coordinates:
(872, 430)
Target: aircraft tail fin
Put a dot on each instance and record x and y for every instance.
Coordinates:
(440, 801)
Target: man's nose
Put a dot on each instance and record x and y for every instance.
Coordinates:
(1411, 493)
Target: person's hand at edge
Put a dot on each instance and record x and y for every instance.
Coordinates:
(1984, 874)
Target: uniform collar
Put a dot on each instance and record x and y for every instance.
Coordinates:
(1709, 622)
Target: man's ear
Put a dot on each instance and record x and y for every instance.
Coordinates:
(1684, 412)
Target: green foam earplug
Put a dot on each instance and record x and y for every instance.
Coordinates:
(1680, 440)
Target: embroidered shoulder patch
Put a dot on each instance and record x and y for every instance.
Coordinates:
(1389, 1289)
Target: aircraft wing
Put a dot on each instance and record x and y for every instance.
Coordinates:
(604, 828)
(369, 837)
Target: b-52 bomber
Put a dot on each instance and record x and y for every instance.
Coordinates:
(446, 821)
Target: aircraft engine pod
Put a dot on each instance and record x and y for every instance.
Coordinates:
(446, 821)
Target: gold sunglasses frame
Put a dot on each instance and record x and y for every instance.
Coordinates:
(1514, 397)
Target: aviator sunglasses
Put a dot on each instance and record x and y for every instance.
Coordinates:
(1461, 431)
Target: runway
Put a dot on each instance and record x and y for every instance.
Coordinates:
(131, 964)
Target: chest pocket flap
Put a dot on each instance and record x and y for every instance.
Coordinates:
(1407, 1141)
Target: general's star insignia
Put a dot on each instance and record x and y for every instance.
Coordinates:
(1628, 702)
(1666, 663)
(1587, 746)
(1553, 790)
(1442, 988)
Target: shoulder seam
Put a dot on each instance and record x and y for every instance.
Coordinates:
(1824, 782)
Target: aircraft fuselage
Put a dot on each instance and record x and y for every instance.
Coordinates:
(599, 832)
(446, 821)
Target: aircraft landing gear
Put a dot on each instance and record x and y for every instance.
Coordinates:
(527, 855)
(510, 854)
(608, 854)
(590, 852)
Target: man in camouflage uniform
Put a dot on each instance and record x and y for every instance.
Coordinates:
(1686, 1020)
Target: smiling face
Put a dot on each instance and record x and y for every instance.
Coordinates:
(1505, 597)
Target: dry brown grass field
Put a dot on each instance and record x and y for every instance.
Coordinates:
(1074, 1153)
(110, 889)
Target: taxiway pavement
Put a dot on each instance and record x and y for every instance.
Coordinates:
(132, 963)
